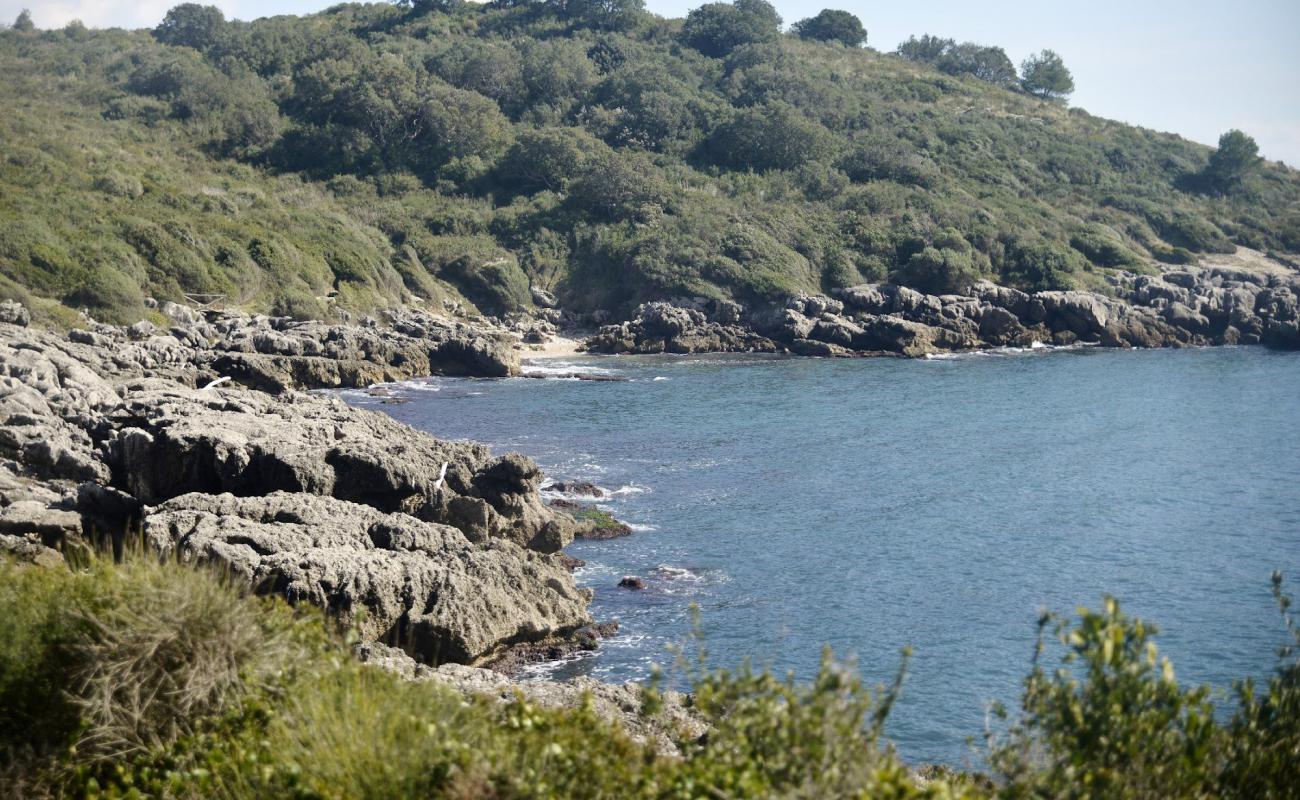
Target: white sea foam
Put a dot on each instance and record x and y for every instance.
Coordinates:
(545, 670)
(563, 369)
(672, 573)
(640, 528)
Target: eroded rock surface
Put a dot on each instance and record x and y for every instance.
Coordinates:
(444, 545)
(424, 587)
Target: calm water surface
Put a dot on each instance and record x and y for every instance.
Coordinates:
(872, 504)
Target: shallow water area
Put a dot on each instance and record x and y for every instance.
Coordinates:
(875, 503)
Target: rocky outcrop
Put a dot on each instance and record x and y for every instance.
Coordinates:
(165, 442)
(665, 328)
(1188, 307)
(447, 548)
(622, 704)
(423, 586)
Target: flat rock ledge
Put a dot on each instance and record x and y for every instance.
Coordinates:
(448, 549)
(1193, 306)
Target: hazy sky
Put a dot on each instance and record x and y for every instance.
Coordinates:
(1194, 67)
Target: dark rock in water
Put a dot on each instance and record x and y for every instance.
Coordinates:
(569, 562)
(580, 488)
(590, 522)
(515, 657)
(577, 376)
(631, 582)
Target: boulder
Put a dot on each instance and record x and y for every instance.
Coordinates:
(543, 298)
(897, 335)
(13, 313)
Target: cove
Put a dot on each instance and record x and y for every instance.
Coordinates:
(875, 503)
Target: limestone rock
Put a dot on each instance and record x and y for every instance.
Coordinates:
(423, 586)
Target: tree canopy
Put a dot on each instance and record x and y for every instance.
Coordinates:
(191, 25)
(1236, 157)
(832, 26)
(989, 64)
(1045, 75)
(715, 29)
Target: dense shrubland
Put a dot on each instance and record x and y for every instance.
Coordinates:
(158, 680)
(375, 154)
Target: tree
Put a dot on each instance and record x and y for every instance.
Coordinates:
(715, 29)
(191, 25)
(989, 64)
(24, 22)
(926, 50)
(1045, 75)
(832, 26)
(1236, 157)
(557, 71)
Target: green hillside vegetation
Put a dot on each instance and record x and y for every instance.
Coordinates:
(158, 680)
(376, 154)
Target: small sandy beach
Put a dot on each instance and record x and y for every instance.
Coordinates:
(557, 347)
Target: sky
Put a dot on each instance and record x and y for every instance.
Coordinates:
(1192, 67)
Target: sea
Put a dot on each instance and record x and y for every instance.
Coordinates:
(783, 505)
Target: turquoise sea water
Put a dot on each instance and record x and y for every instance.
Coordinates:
(872, 504)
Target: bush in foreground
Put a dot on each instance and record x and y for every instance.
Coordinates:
(156, 680)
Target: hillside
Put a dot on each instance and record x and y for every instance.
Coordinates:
(373, 155)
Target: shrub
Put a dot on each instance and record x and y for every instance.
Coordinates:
(1172, 255)
(1041, 266)
(927, 49)
(1045, 75)
(1101, 247)
(1114, 722)
(989, 64)
(939, 271)
(109, 295)
(772, 136)
(116, 184)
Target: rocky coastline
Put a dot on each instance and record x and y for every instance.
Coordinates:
(194, 443)
(1187, 307)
